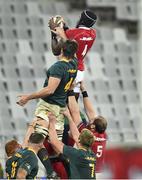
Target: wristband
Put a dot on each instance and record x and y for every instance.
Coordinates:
(84, 94)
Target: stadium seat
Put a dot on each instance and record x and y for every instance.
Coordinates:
(28, 85)
(119, 32)
(11, 73)
(14, 85)
(129, 137)
(114, 138)
(132, 97)
(100, 85)
(25, 47)
(115, 85)
(23, 60)
(9, 60)
(33, 8)
(26, 72)
(21, 21)
(121, 110)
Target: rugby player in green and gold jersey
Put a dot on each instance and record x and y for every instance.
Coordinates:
(53, 96)
(23, 164)
(82, 159)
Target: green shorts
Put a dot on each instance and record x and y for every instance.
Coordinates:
(42, 111)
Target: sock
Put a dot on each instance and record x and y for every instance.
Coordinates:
(43, 156)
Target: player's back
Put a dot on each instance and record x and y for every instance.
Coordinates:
(87, 164)
(82, 162)
(85, 38)
(22, 158)
(66, 71)
(99, 147)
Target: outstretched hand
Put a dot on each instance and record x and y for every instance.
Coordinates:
(23, 99)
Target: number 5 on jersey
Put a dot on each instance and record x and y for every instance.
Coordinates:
(99, 151)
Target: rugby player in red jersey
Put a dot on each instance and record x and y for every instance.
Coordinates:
(84, 35)
(97, 124)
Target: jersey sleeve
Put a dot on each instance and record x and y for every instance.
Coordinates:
(28, 164)
(70, 33)
(70, 152)
(81, 126)
(57, 71)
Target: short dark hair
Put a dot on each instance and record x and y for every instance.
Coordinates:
(36, 138)
(100, 124)
(88, 19)
(69, 48)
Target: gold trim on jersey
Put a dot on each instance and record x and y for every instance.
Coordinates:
(90, 158)
(30, 149)
(64, 59)
(72, 70)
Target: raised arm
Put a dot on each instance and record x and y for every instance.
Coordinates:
(90, 112)
(73, 128)
(46, 91)
(74, 109)
(56, 44)
(58, 145)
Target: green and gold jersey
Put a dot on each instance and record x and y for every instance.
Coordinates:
(66, 71)
(25, 159)
(82, 162)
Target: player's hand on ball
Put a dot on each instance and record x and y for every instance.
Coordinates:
(23, 99)
(60, 32)
(56, 21)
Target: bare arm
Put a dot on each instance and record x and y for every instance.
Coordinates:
(74, 110)
(58, 37)
(73, 128)
(53, 135)
(21, 174)
(90, 112)
(46, 91)
(55, 44)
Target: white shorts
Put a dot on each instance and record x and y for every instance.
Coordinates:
(78, 79)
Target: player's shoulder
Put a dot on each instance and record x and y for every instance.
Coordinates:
(58, 64)
(100, 137)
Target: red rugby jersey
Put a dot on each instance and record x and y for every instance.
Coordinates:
(85, 38)
(98, 147)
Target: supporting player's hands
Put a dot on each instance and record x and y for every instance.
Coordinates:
(23, 99)
(67, 114)
(52, 118)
